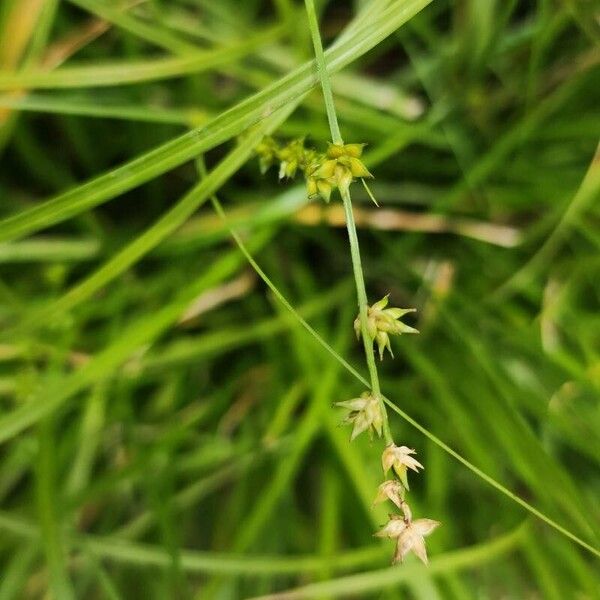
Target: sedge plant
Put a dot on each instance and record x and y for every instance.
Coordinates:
(335, 170)
(165, 425)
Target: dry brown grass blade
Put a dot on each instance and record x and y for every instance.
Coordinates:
(63, 49)
(217, 296)
(399, 220)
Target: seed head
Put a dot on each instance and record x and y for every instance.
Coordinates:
(399, 458)
(393, 528)
(390, 490)
(383, 322)
(409, 535)
(412, 539)
(365, 413)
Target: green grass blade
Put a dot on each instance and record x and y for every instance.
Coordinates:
(148, 240)
(220, 129)
(380, 579)
(127, 73)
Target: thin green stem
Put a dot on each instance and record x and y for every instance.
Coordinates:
(363, 307)
(361, 292)
(491, 481)
(313, 24)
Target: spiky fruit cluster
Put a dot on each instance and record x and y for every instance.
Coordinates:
(383, 322)
(365, 413)
(408, 533)
(325, 172)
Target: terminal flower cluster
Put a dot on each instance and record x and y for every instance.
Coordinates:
(366, 415)
(324, 172)
(408, 533)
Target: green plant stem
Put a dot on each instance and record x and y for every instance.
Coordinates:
(359, 279)
(313, 24)
(362, 309)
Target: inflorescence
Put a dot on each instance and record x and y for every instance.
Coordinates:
(383, 322)
(338, 168)
(324, 172)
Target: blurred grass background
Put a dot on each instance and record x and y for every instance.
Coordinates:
(167, 427)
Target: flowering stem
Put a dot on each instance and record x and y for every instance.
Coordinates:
(362, 309)
(359, 280)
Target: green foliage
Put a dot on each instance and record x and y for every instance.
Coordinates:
(167, 423)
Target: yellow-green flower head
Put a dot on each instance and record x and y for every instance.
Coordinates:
(292, 157)
(316, 185)
(383, 322)
(267, 151)
(365, 413)
(343, 165)
(337, 168)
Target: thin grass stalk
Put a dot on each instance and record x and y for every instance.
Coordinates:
(361, 291)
